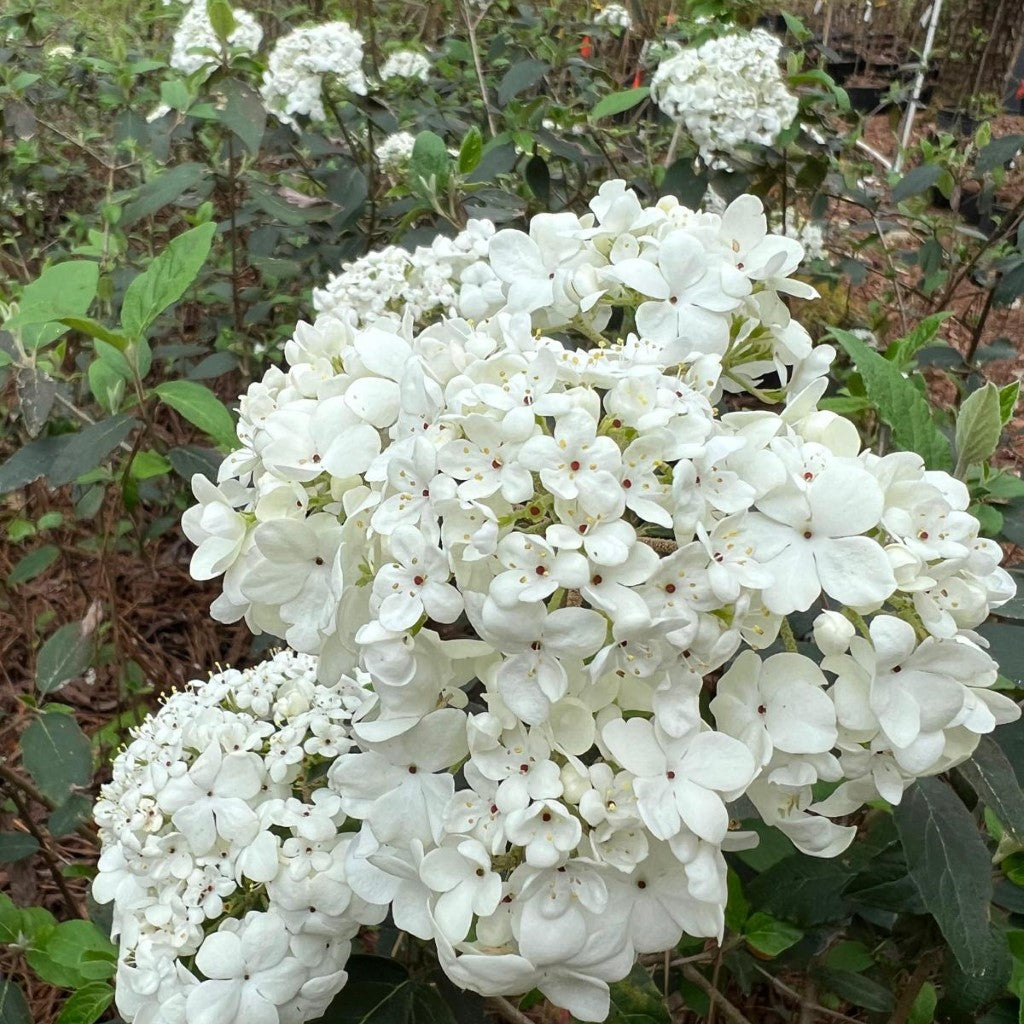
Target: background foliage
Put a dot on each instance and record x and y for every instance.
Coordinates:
(158, 236)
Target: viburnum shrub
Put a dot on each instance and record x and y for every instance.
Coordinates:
(517, 549)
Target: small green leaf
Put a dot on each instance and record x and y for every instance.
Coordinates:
(201, 407)
(76, 810)
(165, 280)
(899, 403)
(978, 426)
(770, 936)
(1008, 401)
(636, 1000)
(16, 846)
(160, 190)
(243, 113)
(64, 289)
(107, 386)
(471, 150)
(94, 329)
(113, 358)
(87, 1004)
(429, 165)
(849, 956)
(57, 754)
(857, 989)
(222, 19)
(13, 1007)
(923, 1009)
(34, 563)
(148, 464)
(991, 776)
(617, 102)
(915, 181)
(65, 656)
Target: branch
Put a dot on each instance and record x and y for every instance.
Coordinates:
(717, 999)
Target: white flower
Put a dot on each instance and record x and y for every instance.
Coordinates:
(394, 153)
(468, 886)
(405, 64)
(196, 44)
(414, 584)
(615, 15)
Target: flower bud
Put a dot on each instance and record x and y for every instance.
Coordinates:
(574, 785)
(833, 633)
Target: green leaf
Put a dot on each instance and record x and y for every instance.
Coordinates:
(429, 165)
(978, 426)
(65, 656)
(66, 818)
(915, 182)
(106, 385)
(998, 153)
(1008, 400)
(113, 358)
(159, 191)
(617, 102)
(190, 459)
(16, 846)
(857, 989)
(379, 991)
(683, 182)
(13, 1007)
(64, 289)
(923, 1009)
(899, 403)
(94, 329)
(87, 449)
(37, 391)
(471, 151)
(243, 113)
(148, 464)
(991, 776)
(737, 909)
(201, 407)
(87, 1004)
(538, 177)
(82, 946)
(950, 867)
(636, 1000)
(56, 753)
(902, 350)
(34, 563)
(770, 936)
(222, 19)
(165, 280)
(849, 956)
(520, 77)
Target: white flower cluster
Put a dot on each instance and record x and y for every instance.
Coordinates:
(450, 276)
(406, 64)
(727, 93)
(394, 153)
(218, 845)
(519, 558)
(808, 233)
(294, 80)
(195, 42)
(615, 16)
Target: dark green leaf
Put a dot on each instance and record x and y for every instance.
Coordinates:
(56, 753)
(189, 460)
(1008, 396)
(636, 1000)
(65, 656)
(13, 1007)
(914, 182)
(538, 177)
(520, 77)
(87, 1004)
(951, 868)
(201, 407)
(378, 991)
(991, 776)
(998, 153)
(88, 448)
(857, 989)
(849, 956)
(683, 182)
(243, 113)
(34, 563)
(165, 280)
(159, 191)
(617, 102)
(902, 350)
(899, 403)
(76, 810)
(16, 846)
(1009, 288)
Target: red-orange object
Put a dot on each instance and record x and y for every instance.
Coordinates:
(1020, 91)
(586, 50)
(638, 79)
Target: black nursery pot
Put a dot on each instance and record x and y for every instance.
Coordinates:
(959, 122)
(869, 99)
(841, 70)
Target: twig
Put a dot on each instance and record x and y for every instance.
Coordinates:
(474, 48)
(717, 999)
(12, 778)
(905, 1003)
(904, 324)
(504, 1009)
(793, 994)
(674, 145)
(72, 905)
